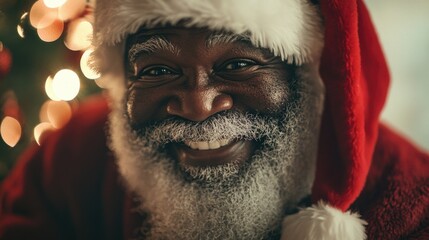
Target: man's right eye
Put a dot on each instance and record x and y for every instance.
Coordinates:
(156, 71)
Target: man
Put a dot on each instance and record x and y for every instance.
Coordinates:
(228, 120)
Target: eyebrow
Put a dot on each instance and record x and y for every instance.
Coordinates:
(159, 42)
(218, 38)
(152, 44)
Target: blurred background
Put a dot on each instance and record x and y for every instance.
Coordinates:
(43, 72)
(403, 28)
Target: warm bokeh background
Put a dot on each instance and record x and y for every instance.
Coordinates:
(36, 43)
(26, 62)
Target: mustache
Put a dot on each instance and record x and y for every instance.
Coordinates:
(223, 125)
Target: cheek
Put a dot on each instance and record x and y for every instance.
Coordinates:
(142, 106)
(275, 94)
(269, 94)
(134, 107)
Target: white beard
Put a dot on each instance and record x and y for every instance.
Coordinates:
(226, 202)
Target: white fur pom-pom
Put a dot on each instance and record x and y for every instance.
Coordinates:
(323, 222)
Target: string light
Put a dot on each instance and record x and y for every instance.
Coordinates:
(42, 16)
(43, 113)
(101, 82)
(19, 27)
(59, 113)
(71, 9)
(41, 131)
(10, 130)
(54, 3)
(84, 66)
(49, 90)
(51, 32)
(48, 17)
(66, 84)
(20, 31)
(79, 35)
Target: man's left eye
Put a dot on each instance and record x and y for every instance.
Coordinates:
(238, 64)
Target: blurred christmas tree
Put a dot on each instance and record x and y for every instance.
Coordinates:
(30, 52)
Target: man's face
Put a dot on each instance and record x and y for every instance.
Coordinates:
(215, 136)
(194, 74)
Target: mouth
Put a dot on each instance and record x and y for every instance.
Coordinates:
(207, 145)
(212, 153)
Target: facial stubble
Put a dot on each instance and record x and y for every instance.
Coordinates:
(225, 202)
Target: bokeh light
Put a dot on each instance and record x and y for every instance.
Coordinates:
(41, 131)
(42, 16)
(85, 68)
(71, 9)
(10, 130)
(49, 89)
(19, 27)
(66, 84)
(43, 113)
(101, 82)
(59, 113)
(20, 31)
(79, 35)
(54, 3)
(51, 32)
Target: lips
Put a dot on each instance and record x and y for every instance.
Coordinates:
(212, 153)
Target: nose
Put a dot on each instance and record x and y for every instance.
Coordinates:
(198, 100)
(199, 104)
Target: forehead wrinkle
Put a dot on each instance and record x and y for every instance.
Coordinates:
(219, 38)
(153, 44)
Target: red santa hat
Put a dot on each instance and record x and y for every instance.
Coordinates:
(352, 68)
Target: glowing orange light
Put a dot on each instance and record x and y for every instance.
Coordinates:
(54, 3)
(101, 82)
(42, 16)
(23, 16)
(85, 68)
(59, 113)
(41, 131)
(49, 90)
(79, 35)
(19, 27)
(66, 84)
(20, 31)
(10, 130)
(71, 9)
(51, 32)
(43, 113)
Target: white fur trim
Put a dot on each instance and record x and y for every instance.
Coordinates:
(323, 222)
(291, 29)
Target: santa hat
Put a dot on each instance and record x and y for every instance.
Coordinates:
(352, 68)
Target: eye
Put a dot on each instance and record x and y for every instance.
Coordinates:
(237, 64)
(156, 71)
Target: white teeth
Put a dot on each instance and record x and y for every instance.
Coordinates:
(214, 144)
(204, 145)
(224, 142)
(194, 145)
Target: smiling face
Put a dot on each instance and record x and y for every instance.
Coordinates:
(215, 136)
(195, 74)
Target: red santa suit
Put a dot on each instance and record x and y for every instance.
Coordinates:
(69, 188)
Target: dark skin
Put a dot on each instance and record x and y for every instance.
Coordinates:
(201, 80)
